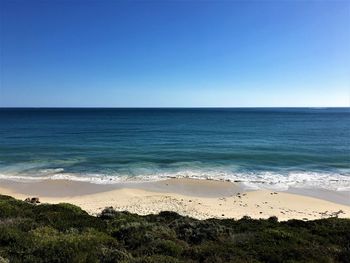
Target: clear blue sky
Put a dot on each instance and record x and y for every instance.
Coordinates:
(175, 53)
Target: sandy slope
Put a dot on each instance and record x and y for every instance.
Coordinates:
(197, 198)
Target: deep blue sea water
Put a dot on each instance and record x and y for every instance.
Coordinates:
(273, 147)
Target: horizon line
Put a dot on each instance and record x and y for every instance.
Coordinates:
(175, 107)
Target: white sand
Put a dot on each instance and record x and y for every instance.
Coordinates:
(196, 198)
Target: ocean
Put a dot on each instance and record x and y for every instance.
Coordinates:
(259, 147)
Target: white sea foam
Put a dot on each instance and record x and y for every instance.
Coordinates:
(251, 180)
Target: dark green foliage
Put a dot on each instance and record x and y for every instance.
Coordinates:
(65, 233)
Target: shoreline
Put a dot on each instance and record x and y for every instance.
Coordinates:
(196, 198)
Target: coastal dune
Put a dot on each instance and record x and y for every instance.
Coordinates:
(200, 199)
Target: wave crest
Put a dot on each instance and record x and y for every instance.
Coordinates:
(251, 180)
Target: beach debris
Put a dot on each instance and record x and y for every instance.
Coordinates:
(327, 213)
(336, 214)
(32, 200)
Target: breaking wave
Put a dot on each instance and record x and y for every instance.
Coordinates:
(251, 180)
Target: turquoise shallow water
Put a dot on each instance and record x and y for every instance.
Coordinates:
(271, 147)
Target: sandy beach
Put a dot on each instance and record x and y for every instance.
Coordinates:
(195, 198)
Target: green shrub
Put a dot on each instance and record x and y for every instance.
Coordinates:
(66, 233)
(4, 260)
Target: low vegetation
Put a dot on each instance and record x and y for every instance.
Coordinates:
(65, 233)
